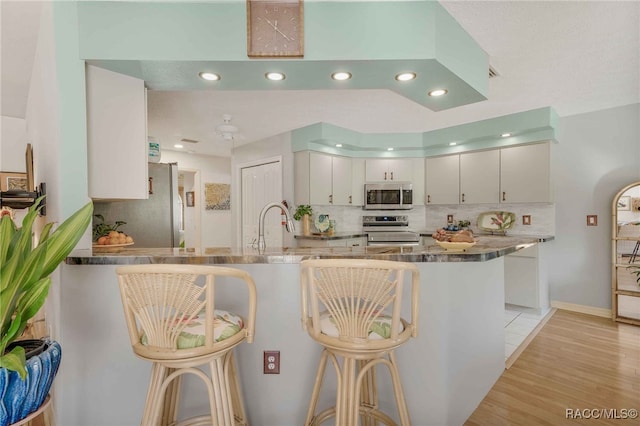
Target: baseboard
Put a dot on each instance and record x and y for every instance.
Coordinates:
(514, 356)
(583, 309)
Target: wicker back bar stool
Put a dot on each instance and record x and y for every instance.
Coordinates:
(352, 308)
(173, 322)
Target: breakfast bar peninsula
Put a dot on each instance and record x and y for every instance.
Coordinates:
(446, 371)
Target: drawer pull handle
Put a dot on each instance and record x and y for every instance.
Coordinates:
(504, 196)
(385, 175)
(428, 198)
(463, 197)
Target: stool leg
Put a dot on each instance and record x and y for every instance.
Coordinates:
(235, 390)
(397, 387)
(313, 402)
(154, 397)
(348, 413)
(171, 399)
(219, 401)
(369, 393)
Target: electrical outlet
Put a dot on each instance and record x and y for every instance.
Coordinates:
(592, 220)
(526, 219)
(271, 362)
(449, 218)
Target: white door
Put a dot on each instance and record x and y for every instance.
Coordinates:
(261, 184)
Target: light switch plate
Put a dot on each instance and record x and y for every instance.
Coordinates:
(526, 219)
(592, 220)
(449, 218)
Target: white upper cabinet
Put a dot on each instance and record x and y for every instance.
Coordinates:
(341, 181)
(480, 177)
(418, 181)
(388, 169)
(320, 182)
(117, 135)
(525, 175)
(357, 181)
(322, 179)
(442, 180)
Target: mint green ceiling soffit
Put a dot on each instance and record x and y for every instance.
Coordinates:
(525, 127)
(168, 43)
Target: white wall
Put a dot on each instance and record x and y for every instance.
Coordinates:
(598, 154)
(13, 143)
(215, 225)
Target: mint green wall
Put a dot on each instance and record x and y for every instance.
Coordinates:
(525, 127)
(162, 31)
(167, 44)
(73, 190)
(200, 31)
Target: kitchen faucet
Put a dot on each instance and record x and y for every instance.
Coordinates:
(290, 226)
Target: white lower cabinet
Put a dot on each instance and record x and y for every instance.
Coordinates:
(525, 279)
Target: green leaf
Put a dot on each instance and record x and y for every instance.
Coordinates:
(32, 300)
(15, 361)
(64, 239)
(7, 231)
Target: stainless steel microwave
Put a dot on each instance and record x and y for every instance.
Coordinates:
(388, 196)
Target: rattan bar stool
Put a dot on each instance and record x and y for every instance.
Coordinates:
(352, 308)
(174, 323)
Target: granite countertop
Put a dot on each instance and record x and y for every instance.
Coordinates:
(487, 248)
(539, 238)
(335, 236)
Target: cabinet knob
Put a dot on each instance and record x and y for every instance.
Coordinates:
(463, 197)
(385, 175)
(504, 196)
(391, 175)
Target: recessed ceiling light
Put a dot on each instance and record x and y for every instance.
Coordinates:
(341, 76)
(275, 76)
(438, 92)
(406, 76)
(389, 149)
(209, 76)
(453, 143)
(338, 145)
(178, 145)
(505, 135)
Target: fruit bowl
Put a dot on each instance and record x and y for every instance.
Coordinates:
(449, 246)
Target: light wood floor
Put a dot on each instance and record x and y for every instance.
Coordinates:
(575, 362)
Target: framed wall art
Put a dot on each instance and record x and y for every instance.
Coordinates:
(13, 181)
(190, 198)
(624, 203)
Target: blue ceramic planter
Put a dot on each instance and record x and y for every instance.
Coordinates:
(19, 398)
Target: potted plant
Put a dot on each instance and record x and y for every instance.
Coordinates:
(635, 269)
(24, 286)
(303, 213)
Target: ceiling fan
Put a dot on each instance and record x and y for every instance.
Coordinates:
(226, 130)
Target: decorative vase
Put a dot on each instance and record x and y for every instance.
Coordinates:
(19, 398)
(306, 225)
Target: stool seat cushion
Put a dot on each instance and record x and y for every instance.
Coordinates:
(379, 329)
(225, 325)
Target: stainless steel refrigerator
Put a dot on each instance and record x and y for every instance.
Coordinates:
(155, 222)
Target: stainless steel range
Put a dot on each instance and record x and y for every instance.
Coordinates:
(389, 231)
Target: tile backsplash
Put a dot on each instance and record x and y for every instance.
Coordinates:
(429, 218)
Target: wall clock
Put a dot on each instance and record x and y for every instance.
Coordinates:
(275, 29)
